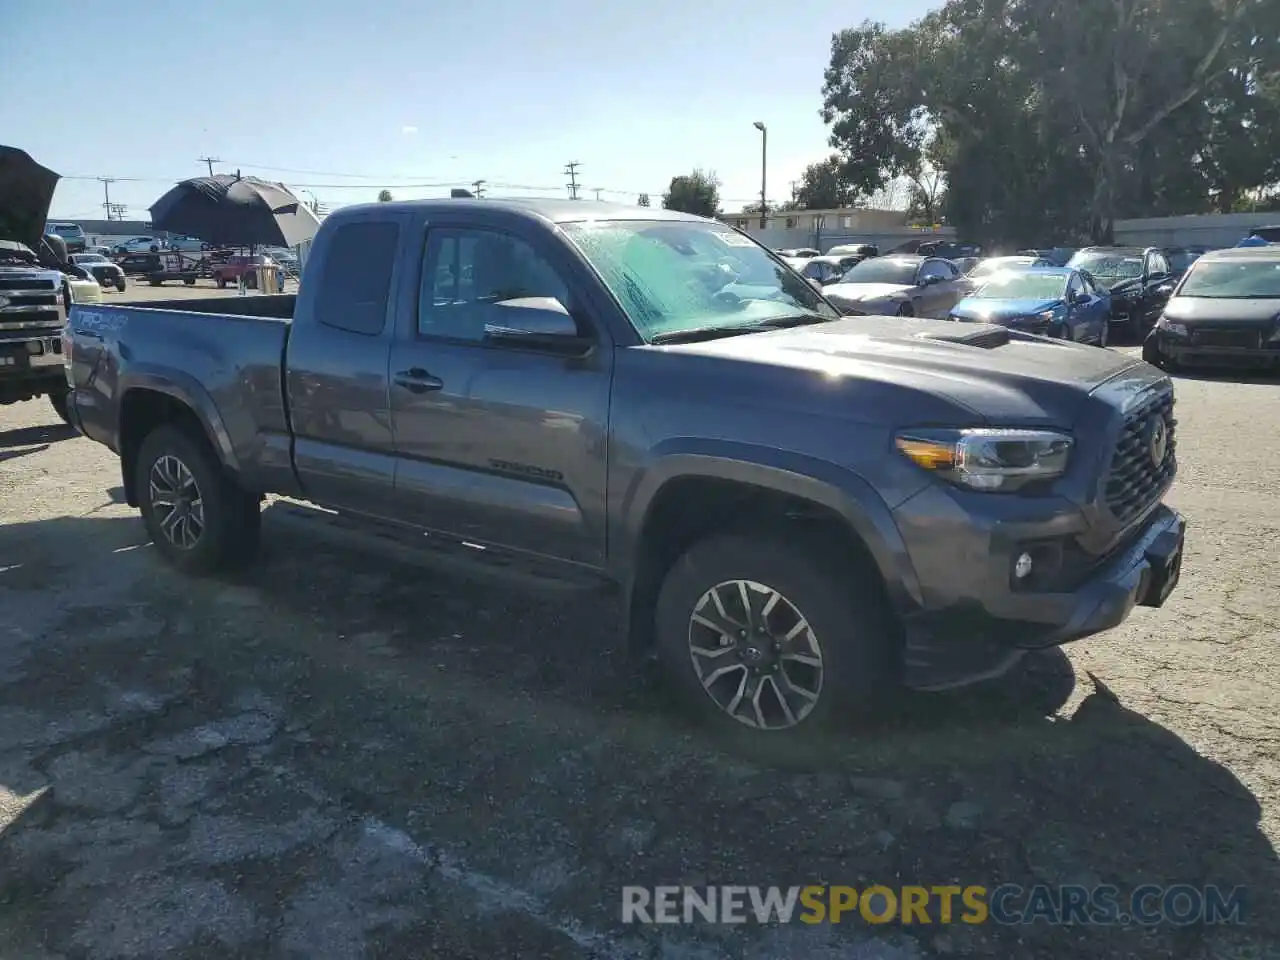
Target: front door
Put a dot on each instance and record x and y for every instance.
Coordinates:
(498, 444)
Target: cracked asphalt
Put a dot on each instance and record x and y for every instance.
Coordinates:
(340, 755)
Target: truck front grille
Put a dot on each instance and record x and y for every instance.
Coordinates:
(1137, 479)
(23, 283)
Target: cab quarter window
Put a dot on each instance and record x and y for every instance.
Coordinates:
(466, 272)
(356, 280)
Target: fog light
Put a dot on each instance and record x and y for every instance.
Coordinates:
(1022, 566)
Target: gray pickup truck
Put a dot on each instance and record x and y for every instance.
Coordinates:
(797, 508)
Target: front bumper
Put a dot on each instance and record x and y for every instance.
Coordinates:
(31, 366)
(985, 633)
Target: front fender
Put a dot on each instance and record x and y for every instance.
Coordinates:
(818, 481)
(188, 390)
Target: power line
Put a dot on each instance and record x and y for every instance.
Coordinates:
(571, 171)
(210, 161)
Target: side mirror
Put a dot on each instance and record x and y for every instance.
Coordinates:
(1080, 297)
(534, 320)
(1164, 290)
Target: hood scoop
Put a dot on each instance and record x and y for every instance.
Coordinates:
(986, 336)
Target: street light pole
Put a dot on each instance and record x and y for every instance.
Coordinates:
(764, 166)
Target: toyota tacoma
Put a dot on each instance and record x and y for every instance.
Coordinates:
(795, 507)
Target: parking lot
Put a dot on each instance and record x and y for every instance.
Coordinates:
(337, 754)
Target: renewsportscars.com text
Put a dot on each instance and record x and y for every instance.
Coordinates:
(1008, 904)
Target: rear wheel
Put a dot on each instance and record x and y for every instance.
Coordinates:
(121, 283)
(199, 518)
(765, 632)
(221, 281)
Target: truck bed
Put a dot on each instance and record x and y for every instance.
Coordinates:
(274, 307)
(222, 355)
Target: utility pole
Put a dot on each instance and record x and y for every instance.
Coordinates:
(106, 194)
(118, 209)
(571, 171)
(479, 185)
(598, 191)
(764, 158)
(210, 161)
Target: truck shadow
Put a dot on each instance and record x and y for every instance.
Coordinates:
(30, 436)
(517, 726)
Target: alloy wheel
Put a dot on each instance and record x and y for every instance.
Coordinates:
(755, 654)
(176, 502)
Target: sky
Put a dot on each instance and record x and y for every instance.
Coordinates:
(339, 99)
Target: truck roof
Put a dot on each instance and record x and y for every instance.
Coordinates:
(552, 211)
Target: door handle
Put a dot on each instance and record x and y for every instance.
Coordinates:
(417, 380)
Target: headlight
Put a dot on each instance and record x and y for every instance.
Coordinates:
(1171, 328)
(988, 459)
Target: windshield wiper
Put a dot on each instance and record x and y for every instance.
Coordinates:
(698, 334)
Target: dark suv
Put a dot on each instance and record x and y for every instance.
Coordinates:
(1139, 279)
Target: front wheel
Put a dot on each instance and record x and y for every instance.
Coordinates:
(59, 403)
(759, 632)
(196, 515)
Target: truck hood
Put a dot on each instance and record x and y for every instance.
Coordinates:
(1000, 311)
(860, 292)
(26, 191)
(1204, 311)
(1000, 376)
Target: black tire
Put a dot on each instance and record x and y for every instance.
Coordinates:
(845, 613)
(156, 283)
(189, 281)
(906, 310)
(59, 403)
(232, 517)
(250, 281)
(221, 281)
(121, 283)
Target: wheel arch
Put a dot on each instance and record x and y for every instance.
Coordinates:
(688, 496)
(148, 400)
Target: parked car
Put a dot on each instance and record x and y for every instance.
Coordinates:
(107, 272)
(185, 244)
(823, 270)
(72, 235)
(927, 247)
(1052, 301)
(1270, 234)
(904, 286)
(1226, 310)
(863, 250)
(801, 253)
(989, 266)
(139, 245)
(796, 509)
(1053, 256)
(101, 251)
(1138, 279)
(229, 271)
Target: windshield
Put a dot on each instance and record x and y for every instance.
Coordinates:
(989, 267)
(1179, 260)
(88, 258)
(1242, 280)
(883, 270)
(66, 229)
(1111, 266)
(678, 276)
(1023, 286)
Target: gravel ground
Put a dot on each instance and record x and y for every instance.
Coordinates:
(341, 755)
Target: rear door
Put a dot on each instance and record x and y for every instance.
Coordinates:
(500, 444)
(939, 290)
(336, 369)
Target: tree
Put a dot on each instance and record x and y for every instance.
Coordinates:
(1057, 118)
(697, 192)
(642, 200)
(384, 196)
(824, 186)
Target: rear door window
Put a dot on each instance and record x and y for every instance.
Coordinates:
(356, 279)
